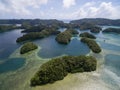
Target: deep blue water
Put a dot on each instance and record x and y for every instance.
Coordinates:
(11, 64)
(50, 48)
(8, 43)
(7, 46)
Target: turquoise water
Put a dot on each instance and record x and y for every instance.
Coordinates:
(108, 46)
(49, 48)
(113, 63)
(11, 64)
(111, 71)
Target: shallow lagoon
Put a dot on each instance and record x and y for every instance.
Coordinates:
(11, 64)
(107, 76)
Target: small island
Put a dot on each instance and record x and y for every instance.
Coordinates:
(72, 31)
(91, 44)
(56, 69)
(95, 29)
(29, 46)
(87, 35)
(112, 30)
(64, 37)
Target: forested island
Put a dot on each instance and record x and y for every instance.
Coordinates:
(31, 21)
(64, 37)
(56, 69)
(112, 30)
(85, 26)
(37, 35)
(95, 29)
(98, 21)
(27, 47)
(92, 44)
(88, 35)
(4, 28)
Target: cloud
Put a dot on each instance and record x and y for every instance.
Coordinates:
(20, 7)
(35, 9)
(93, 10)
(68, 3)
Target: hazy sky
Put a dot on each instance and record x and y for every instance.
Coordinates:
(59, 9)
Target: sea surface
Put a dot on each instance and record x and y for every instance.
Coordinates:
(16, 70)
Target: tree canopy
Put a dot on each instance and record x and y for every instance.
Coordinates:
(58, 68)
(29, 46)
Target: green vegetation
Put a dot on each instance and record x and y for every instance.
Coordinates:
(33, 29)
(26, 25)
(39, 28)
(4, 28)
(31, 21)
(87, 35)
(37, 35)
(92, 45)
(64, 37)
(95, 29)
(112, 30)
(85, 26)
(57, 69)
(72, 31)
(98, 21)
(29, 46)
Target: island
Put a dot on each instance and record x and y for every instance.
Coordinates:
(88, 35)
(37, 35)
(112, 30)
(98, 21)
(4, 28)
(91, 44)
(39, 28)
(64, 37)
(29, 29)
(72, 31)
(29, 46)
(86, 26)
(56, 69)
(95, 29)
